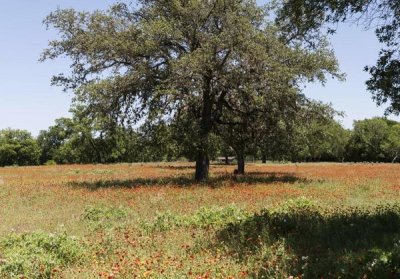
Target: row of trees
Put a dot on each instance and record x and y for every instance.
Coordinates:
(320, 139)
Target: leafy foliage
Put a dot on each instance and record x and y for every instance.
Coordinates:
(209, 62)
(306, 19)
(38, 255)
(312, 242)
(374, 139)
(202, 218)
(103, 217)
(18, 147)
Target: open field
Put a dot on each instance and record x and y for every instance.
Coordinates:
(152, 220)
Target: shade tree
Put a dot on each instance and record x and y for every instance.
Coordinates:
(138, 63)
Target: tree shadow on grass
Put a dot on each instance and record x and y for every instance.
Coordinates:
(188, 180)
(268, 178)
(172, 167)
(311, 243)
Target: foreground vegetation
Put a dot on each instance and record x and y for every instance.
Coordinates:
(153, 220)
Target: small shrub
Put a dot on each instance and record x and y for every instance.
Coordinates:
(103, 217)
(203, 218)
(37, 255)
(50, 163)
(384, 262)
(164, 222)
(298, 204)
(216, 216)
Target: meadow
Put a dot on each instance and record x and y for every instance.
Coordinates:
(153, 221)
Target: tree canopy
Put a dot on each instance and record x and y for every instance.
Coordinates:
(18, 147)
(308, 18)
(206, 60)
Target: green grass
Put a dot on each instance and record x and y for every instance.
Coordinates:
(38, 255)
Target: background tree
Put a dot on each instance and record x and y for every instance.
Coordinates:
(281, 116)
(80, 140)
(134, 64)
(368, 140)
(240, 135)
(323, 140)
(392, 145)
(157, 143)
(51, 140)
(224, 150)
(248, 128)
(302, 130)
(334, 145)
(18, 147)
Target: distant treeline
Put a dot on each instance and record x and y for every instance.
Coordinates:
(71, 141)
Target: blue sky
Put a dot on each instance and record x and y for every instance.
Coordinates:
(27, 101)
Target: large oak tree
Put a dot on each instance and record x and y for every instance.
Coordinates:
(168, 58)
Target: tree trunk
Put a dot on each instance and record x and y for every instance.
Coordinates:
(202, 166)
(264, 159)
(240, 165)
(226, 160)
(202, 160)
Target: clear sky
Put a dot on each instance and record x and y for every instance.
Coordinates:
(27, 101)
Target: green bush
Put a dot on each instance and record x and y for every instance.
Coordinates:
(381, 262)
(37, 255)
(103, 216)
(202, 218)
(50, 163)
(291, 205)
(163, 222)
(216, 216)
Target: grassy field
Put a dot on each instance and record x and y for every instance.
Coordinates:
(152, 220)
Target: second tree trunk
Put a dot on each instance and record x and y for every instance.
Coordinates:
(240, 164)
